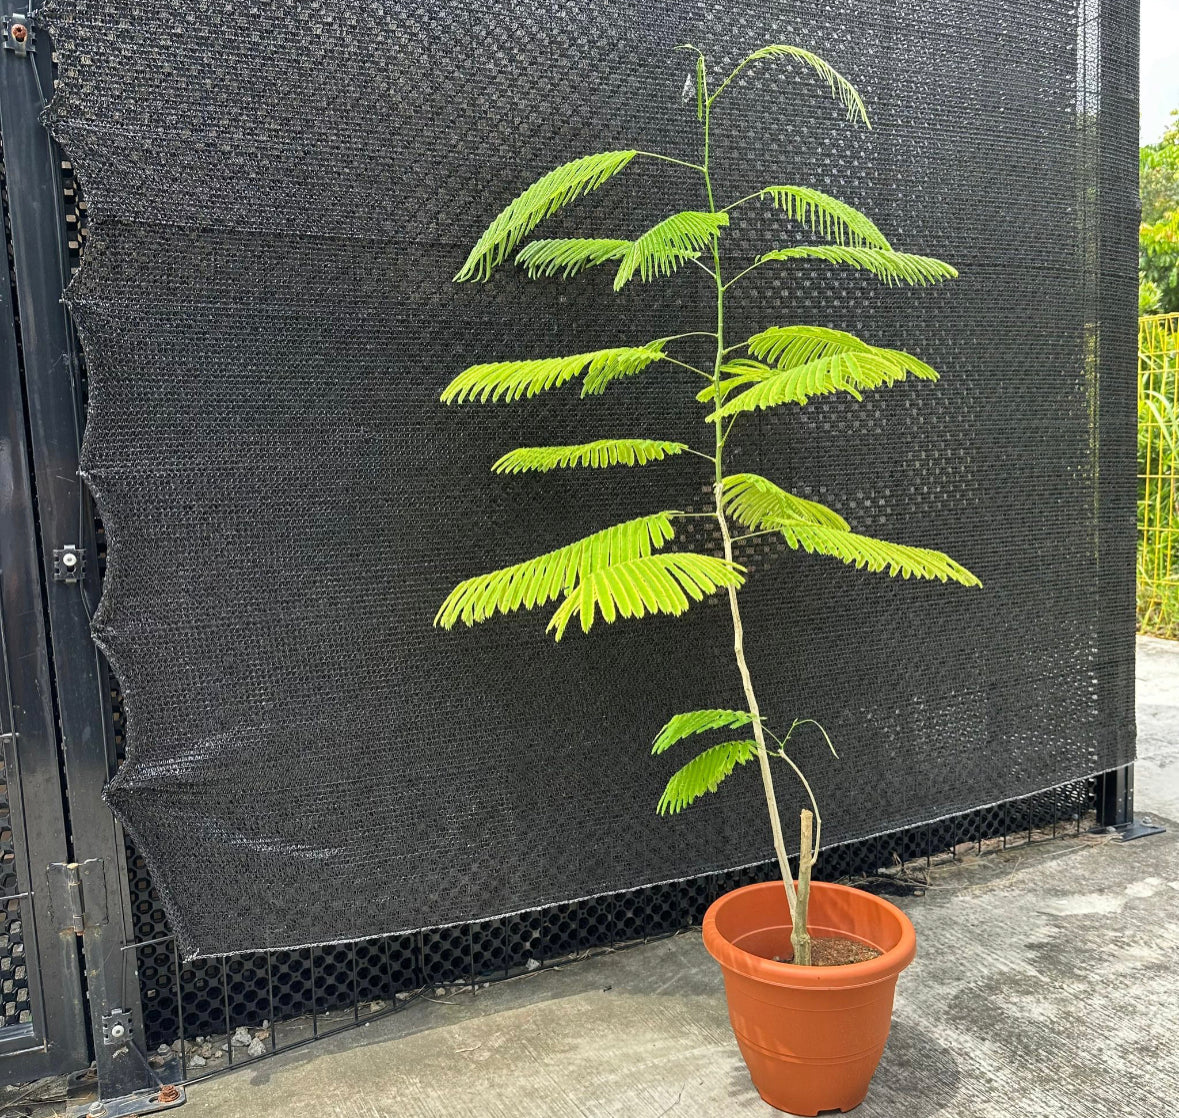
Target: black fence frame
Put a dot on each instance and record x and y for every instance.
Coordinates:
(97, 984)
(43, 968)
(78, 888)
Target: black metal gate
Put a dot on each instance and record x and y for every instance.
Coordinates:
(66, 978)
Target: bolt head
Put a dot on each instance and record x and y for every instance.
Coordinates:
(19, 32)
(97, 1109)
(69, 559)
(118, 1031)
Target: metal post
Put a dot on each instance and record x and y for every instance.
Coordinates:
(51, 1038)
(1115, 806)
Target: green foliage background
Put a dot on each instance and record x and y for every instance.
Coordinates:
(1158, 242)
(1158, 388)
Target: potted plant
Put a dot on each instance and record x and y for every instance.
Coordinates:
(809, 969)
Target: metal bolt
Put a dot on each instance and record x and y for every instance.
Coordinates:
(97, 1109)
(118, 1031)
(168, 1093)
(69, 559)
(19, 32)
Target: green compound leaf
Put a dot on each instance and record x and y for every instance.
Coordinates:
(681, 726)
(704, 774)
(603, 452)
(758, 503)
(665, 583)
(568, 256)
(841, 89)
(664, 247)
(887, 265)
(513, 380)
(873, 554)
(851, 372)
(547, 577)
(542, 199)
(827, 216)
(787, 346)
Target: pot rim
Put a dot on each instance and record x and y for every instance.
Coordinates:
(847, 976)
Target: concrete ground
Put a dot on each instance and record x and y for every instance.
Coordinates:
(1046, 984)
(1157, 770)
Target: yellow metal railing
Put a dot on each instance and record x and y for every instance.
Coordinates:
(1158, 475)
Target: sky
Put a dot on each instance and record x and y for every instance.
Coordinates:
(1160, 65)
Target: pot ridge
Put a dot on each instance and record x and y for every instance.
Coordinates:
(894, 957)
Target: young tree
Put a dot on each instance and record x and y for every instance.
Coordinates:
(623, 571)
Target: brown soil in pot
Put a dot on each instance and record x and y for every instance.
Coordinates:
(836, 951)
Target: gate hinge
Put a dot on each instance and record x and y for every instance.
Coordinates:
(77, 895)
(19, 35)
(69, 563)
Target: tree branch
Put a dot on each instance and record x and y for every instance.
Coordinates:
(669, 159)
(747, 198)
(754, 535)
(689, 334)
(685, 365)
(746, 271)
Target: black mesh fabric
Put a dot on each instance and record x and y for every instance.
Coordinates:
(278, 196)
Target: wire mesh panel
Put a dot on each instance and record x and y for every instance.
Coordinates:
(14, 974)
(1158, 475)
(268, 317)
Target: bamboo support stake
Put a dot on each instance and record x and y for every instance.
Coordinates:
(800, 937)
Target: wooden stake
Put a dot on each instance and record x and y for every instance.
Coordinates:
(800, 937)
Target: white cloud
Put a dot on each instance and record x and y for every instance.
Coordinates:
(1160, 65)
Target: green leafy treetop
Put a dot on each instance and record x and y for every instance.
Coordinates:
(627, 571)
(1158, 241)
(1158, 174)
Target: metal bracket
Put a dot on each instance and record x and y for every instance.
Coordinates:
(77, 895)
(116, 1027)
(19, 35)
(1128, 832)
(163, 1097)
(69, 563)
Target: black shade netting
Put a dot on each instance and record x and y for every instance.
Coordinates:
(279, 196)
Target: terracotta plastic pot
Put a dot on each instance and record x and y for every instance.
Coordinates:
(811, 1036)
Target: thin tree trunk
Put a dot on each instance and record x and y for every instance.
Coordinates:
(763, 758)
(797, 918)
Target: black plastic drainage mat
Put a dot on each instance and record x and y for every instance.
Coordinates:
(279, 195)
